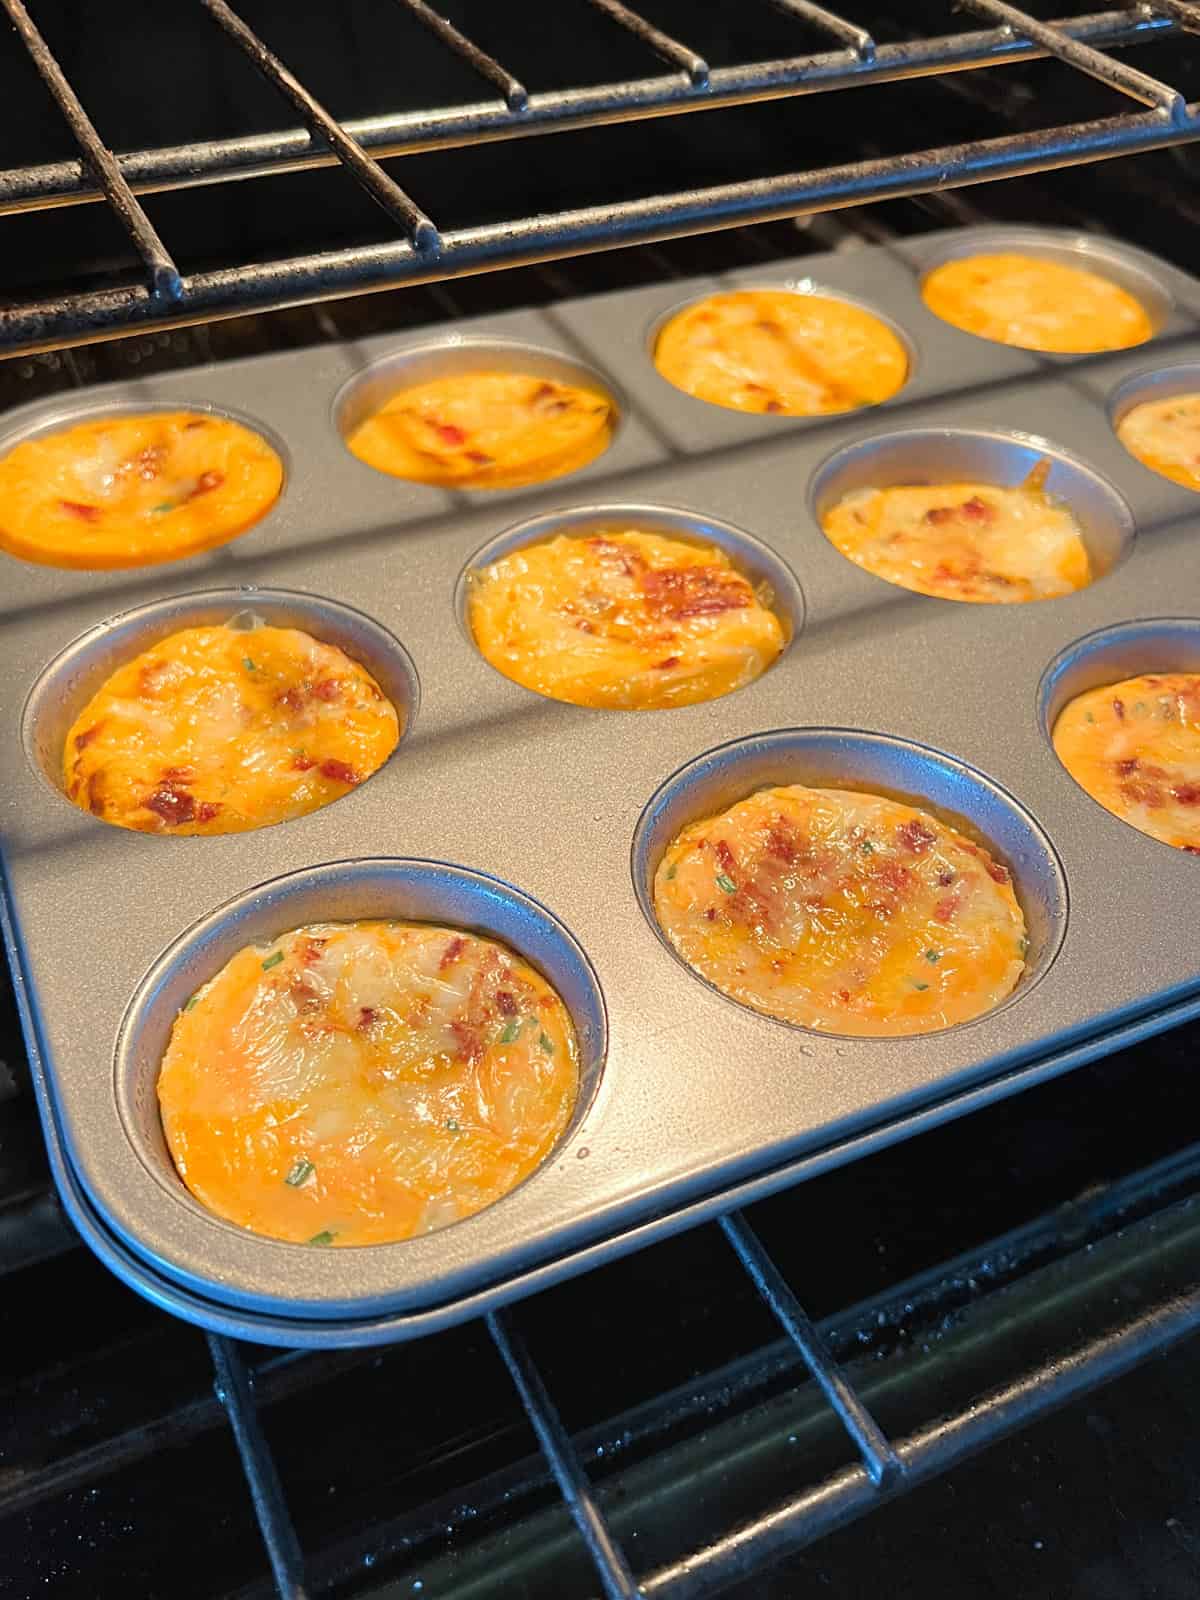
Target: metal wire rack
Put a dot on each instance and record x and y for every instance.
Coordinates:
(421, 252)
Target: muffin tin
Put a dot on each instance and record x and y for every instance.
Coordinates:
(542, 822)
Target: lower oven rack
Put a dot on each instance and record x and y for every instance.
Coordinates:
(423, 252)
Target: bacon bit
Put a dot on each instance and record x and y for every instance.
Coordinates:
(367, 1018)
(470, 1045)
(1192, 849)
(88, 734)
(768, 325)
(311, 951)
(206, 482)
(998, 871)
(505, 1004)
(780, 843)
(774, 406)
(448, 433)
(665, 666)
(302, 763)
(945, 908)
(172, 775)
(452, 952)
(946, 878)
(303, 995)
(725, 857)
(328, 689)
(339, 772)
(711, 914)
(1124, 768)
(915, 836)
(207, 810)
(585, 626)
(78, 509)
(630, 561)
(1144, 792)
(1187, 794)
(938, 514)
(174, 806)
(679, 592)
(196, 422)
(977, 510)
(544, 391)
(480, 458)
(292, 699)
(844, 996)
(1119, 708)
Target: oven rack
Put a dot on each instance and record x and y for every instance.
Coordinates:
(420, 252)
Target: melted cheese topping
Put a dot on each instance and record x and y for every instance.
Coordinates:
(1164, 435)
(963, 541)
(1135, 747)
(623, 619)
(135, 490)
(223, 729)
(799, 355)
(843, 912)
(1036, 304)
(358, 1083)
(485, 430)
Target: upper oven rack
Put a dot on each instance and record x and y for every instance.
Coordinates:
(422, 253)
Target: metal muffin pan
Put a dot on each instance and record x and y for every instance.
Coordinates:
(698, 1102)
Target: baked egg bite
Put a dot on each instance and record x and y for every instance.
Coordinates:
(781, 351)
(358, 1083)
(841, 911)
(224, 729)
(1036, 304)
(965, 541)
(131, 491)
(1134, 746)
(1164, 435)
(624, 619)
(486, 430)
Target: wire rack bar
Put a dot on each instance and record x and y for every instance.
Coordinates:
(279, 1536)
(881, 1461)
(661, 43)
(858, 39)
(1185, 12)
(164, 274)
(615, 1577)
(1084, 58)
(386, 193)
(516, 96)
(295, 149)
(233, 291)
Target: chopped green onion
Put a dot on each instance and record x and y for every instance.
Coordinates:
(452, 1125)
(272, 960)
(1139, 705)
(167, 505)
(726, 883)
(920, 986)
(547, 1043)
(1089, 717)
(511, 1029)
(933, 955)
(248, 664)
(324, 1237)
(867, 848)
(672, 870)
(300, 1173)
(190, 1002)
(1024, 944)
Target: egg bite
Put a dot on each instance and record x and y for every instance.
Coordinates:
(780, 351)
(623, 618)
(1036, 304)
(224, 729)
(841, 911)
(1164, 435)
(132, 491)
(965, 541)
(486, 430)
(359, 1083)
(1135, 747)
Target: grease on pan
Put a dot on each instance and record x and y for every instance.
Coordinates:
(485, 430)
(1036, 304)
(135, 490)
(623, 618)
(781, 351)
(224, 729)
(1164, 435)
(1134, 746)
(361, 1083)
(975, 542)
(842, 911)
